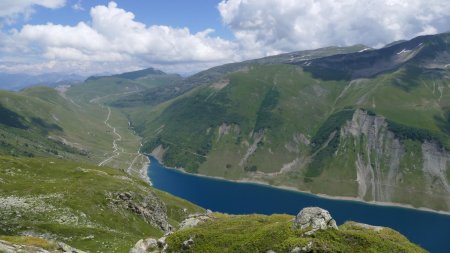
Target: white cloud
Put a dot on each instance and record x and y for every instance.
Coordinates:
(78, 6)
(114, 41)
(12, 9)
(269, 26)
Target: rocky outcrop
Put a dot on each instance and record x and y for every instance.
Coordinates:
(188, 244)
(297, 139)
(378, 160)
(367, 226)
(307, 248)
(257, 138)
(144, 245)
(226, 129)
(66, 248)
(12, 248)
(383, 161)
(158, 152)
(149, 207)
(194, 220)
(315, 218)
(160, 245)
(8, 247)
(436, 162)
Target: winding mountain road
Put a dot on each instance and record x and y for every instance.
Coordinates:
(138, 162)
(116, 148)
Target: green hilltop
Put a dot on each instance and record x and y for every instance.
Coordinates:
(275, 233)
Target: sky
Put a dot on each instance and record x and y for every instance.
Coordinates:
(101, 36)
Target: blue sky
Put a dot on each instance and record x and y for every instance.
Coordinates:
(196, 15)
(101, 36)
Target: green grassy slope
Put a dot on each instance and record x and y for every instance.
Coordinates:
(259, 233)
(112, 88)
(285, 125)
(42, 122)
(71, 202)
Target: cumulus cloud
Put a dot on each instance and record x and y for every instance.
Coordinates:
(12, 9)
(270, 26)
(113, 38)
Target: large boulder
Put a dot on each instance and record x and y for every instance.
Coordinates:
(315, 218)
(143, 245)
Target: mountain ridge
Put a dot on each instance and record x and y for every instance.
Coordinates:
(282, 124)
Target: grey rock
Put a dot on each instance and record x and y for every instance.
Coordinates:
(187, 244)
(7, 247)
(142, 246)
(66, 248)
(367, 226)
(162, 242)
(296, 250)
(13, 248)
(307, 248)
(194, 220)
(315, 218)
(149, 207)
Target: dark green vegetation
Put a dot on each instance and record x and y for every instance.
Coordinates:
(265, 118)
(316, 123)
(11, 119)
(71, 202)
(330, 126)
(258, 233)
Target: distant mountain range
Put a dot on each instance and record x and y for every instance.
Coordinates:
(17, 82)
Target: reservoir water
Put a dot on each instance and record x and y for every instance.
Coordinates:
(429, 230)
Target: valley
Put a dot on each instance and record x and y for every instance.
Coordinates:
(377, 132)
(321, 121)
(224, 126)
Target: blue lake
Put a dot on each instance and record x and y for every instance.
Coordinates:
(429, 230)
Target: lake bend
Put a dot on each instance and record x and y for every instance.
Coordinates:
(430, 230)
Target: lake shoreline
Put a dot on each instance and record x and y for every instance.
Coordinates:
(293, 189)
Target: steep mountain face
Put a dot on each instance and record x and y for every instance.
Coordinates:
(373, 125)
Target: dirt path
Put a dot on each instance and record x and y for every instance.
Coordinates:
(138, 162)
(116, 147)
